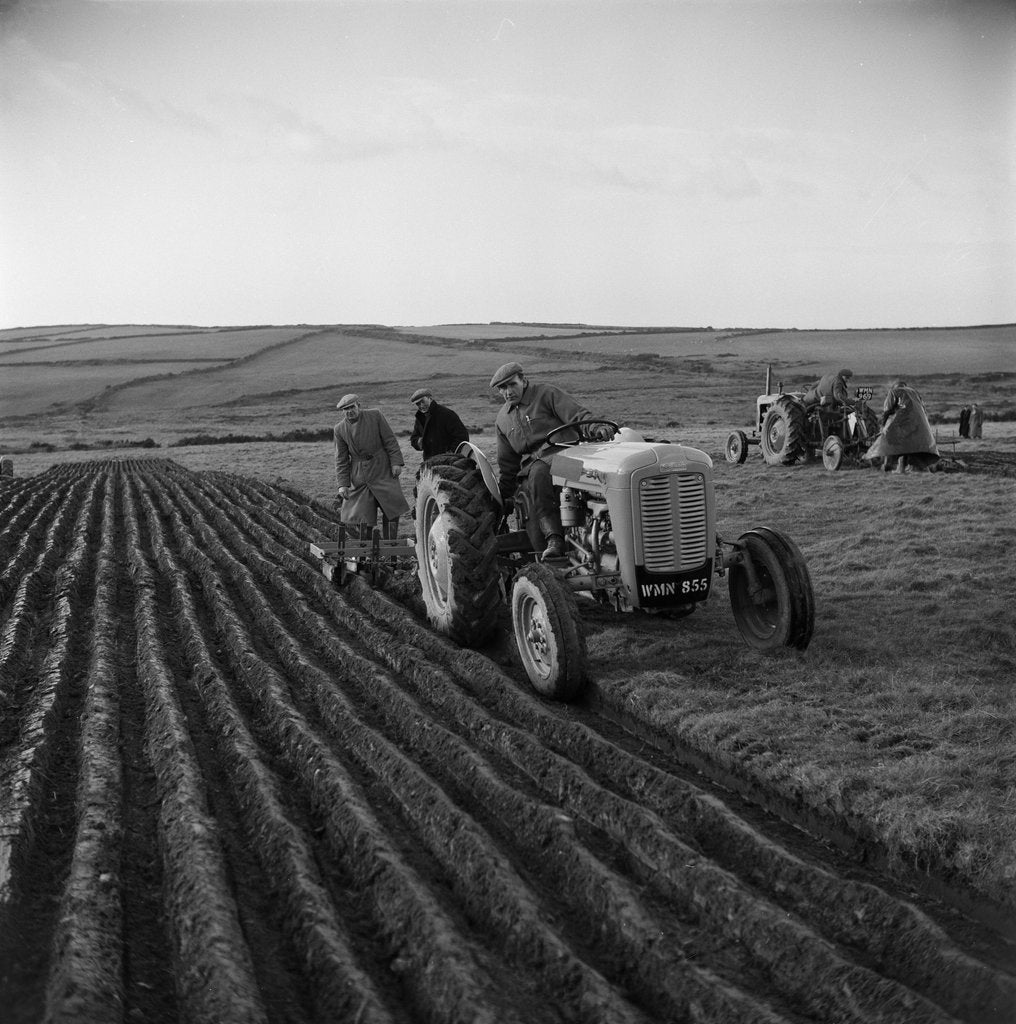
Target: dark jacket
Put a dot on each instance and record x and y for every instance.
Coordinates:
(437, 430)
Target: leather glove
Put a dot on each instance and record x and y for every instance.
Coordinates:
(602, 432)
(507, 506)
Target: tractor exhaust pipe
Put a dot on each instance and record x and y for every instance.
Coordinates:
(769, 380)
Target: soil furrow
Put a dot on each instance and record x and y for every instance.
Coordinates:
(37, 843)
(85, 981)
(215, 975)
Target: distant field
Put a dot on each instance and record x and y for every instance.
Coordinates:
(332, 359)
(495, 332)
(807, 353)
(679, 343)
(109, 331)
(225, 346)
(32, 390)
(45, 333)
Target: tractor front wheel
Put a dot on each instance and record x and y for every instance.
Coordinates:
(832, 453)
(771, 593)
(736, 448)
(456, 550)
(548, 633)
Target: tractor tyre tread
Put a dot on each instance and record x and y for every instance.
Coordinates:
(456, 487)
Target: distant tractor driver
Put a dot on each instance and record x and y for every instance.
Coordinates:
(832, 386)
(523, 456)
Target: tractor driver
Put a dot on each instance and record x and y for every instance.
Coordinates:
(832, 386)
(523, 456)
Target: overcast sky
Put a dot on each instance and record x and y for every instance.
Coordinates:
(829, 163)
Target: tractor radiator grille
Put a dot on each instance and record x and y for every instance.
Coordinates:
(673, 513)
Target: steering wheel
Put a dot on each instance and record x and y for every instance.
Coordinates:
(572, 425)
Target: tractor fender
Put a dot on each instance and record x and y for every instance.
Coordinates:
(471, 451)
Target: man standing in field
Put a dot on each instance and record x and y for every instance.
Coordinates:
(436, 429)
(368, 463)
(523, 456)
(976, 420)
(965, 421)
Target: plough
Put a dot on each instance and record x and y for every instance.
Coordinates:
(352, 554)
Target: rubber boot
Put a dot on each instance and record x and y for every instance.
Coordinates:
(554, 548)
(553, 534)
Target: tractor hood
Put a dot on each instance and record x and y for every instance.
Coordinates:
(612, 463)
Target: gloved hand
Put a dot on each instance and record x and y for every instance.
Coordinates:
(602, 432)
(507, 506)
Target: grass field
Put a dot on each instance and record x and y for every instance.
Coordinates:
(900, 716)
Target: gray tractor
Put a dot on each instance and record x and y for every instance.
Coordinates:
(789, 429)
(639, 522)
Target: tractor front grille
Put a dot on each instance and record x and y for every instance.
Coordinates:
(673, 513)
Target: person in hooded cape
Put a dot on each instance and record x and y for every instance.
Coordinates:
(906, 439)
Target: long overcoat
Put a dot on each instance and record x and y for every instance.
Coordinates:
(365, 452)
(905, 428)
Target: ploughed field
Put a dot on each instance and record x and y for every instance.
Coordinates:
(232, 792)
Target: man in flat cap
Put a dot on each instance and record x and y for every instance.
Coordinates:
(368, 463)
(523, 458)
(436, 429)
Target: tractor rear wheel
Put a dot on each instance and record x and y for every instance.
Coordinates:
(548, 633)
(784, 433)
(773, 601)
(456, 550)
(736, 448)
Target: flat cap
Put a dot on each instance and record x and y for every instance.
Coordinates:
(420, 393)
(846, 373)
(503, 373)
(347, 400)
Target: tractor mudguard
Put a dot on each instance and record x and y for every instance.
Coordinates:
(470, 451)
